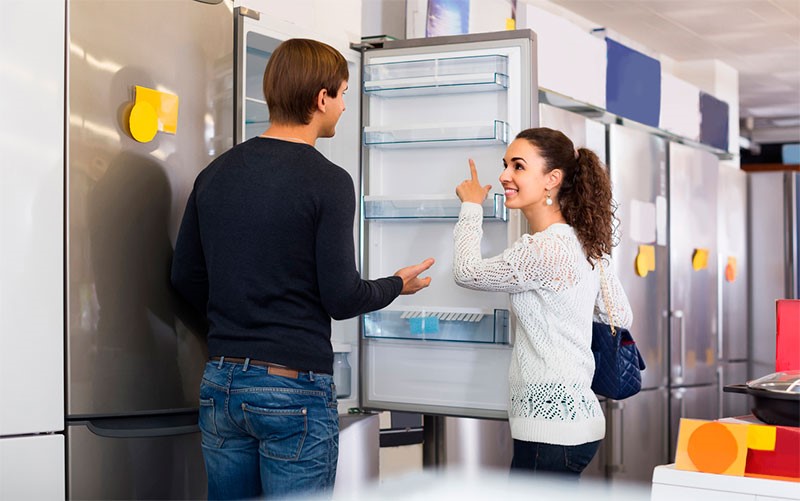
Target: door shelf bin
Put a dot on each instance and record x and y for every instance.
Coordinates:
(439, 324)
(432, 207)
(437, 76)
(443, 135)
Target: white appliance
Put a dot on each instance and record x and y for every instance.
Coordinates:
(32, 250)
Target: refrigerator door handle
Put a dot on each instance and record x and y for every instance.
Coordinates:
(678, 314)
(720, 385)
(145, 426)
(617, 430)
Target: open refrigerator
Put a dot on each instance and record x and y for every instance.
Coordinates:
(417, 110)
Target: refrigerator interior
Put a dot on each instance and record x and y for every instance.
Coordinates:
(429, 106)
(135, 349)
(256, 37)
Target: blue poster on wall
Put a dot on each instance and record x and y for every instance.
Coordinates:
(447, 17)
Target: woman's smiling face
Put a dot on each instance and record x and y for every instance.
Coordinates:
(523, 177)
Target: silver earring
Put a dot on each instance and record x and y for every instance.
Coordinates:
(549, 200)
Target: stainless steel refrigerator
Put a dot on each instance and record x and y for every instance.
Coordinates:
(135, 351)
(774, 215)
(637, 426)
(734, 286)
(693, 288)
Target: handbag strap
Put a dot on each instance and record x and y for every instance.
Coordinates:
(604, 292)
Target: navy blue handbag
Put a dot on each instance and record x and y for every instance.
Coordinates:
(618, 365)
(617, 362)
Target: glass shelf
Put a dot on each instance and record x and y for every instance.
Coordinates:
(256, 111)
(441, 135)
(434, 207)
(468, 325)
(437, 76)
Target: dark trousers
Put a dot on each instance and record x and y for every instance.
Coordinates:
(564, 460)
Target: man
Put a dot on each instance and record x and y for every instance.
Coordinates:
(266, 250)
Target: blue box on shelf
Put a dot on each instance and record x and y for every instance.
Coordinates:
(633, 84)
(713, 121)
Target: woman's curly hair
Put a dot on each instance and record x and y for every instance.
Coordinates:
(585, 192)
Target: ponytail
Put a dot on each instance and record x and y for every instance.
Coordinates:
(585, 192)
(587, 206)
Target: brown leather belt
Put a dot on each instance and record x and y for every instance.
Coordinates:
(274, 369)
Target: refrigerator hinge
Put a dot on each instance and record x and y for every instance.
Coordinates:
(244, 11)
(362, 46)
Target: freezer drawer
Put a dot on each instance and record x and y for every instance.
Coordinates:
(32, 467)
(733, 404)
(637, 438)
(696, 402)
(136, 458)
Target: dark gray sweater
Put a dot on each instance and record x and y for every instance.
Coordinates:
(265, 249)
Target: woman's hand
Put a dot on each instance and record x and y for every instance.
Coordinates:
(471, 189)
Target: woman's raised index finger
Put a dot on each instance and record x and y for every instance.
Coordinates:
(473, 170)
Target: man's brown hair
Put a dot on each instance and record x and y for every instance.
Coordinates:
(296, 72)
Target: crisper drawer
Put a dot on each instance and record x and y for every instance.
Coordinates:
(439, 324)
(454, 379)
(147, 457)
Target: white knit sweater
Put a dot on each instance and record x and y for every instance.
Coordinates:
(555, 295)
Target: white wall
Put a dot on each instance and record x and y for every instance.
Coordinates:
(338, 19)
(383, 17)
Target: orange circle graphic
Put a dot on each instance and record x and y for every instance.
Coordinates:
(712, 448)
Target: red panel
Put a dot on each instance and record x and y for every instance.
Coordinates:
(787, 344)
(784, 461)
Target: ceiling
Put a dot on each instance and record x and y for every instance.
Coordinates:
(759, 38)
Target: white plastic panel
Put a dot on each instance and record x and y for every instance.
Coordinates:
(571, 61)
(464, 379)
(680, 107)
(32, 218)
(32, 468)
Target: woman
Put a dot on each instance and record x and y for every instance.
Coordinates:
(554, 276)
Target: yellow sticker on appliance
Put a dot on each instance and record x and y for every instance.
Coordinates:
(700, 259)
(153, 111)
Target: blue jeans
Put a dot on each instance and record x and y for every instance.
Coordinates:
(568, 461)
(266, 435)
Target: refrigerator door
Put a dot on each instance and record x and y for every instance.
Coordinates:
(32, 219)
(155, 457)
(132, 345)
(733, 265)
(637, 164)
(774, 218)
(428, 106)
(695, 402)
(693, 265)
(637, 439)
(257, 35)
